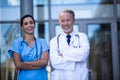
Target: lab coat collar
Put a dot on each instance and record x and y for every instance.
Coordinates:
(64, 34)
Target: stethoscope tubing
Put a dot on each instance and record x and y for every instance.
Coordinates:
(73, 46)
(37, 56)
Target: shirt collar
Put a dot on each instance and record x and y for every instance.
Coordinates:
(64, 34)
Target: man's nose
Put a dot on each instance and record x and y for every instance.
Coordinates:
(66, 22)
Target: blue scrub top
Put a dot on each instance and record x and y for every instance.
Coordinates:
(30, 54)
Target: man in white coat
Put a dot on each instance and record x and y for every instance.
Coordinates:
(69, 60)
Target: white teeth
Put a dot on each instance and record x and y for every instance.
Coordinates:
(30, 28)
(66, 27)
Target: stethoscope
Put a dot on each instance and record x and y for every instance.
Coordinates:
(24, 42)
(76, 45)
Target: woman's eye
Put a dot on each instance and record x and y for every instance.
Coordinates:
(31, 22)
(25, 23)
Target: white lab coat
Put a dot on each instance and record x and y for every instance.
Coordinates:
(73, 64)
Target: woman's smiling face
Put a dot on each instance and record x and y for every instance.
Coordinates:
(28, 25)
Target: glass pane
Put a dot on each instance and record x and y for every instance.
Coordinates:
(100, 60)
(9, 3)
(41, 9)
(9, 32)
(84, 8)
(40, 2)
(118, 8)
(10, 10)
(58, 29)
(42, 30)
(80, 1)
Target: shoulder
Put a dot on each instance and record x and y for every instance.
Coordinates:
(54, 39)
(18, 40)
(16, 43)
(81, 34)
(40, 40)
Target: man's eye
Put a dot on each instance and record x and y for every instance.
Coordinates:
(68, 20)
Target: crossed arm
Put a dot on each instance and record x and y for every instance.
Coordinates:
(30, 65)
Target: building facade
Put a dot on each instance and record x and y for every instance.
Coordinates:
(99, 19)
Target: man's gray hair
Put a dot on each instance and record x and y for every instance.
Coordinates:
(69, 11)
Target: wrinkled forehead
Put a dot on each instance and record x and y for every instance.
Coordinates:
(63, 15)
(66, 14)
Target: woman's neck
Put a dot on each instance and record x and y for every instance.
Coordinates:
(29, 38)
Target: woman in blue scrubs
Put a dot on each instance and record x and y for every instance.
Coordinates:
(30, 54)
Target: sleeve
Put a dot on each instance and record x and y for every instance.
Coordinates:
(57, 61)
(78, 54)
(44, 45)
(14, 48)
